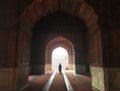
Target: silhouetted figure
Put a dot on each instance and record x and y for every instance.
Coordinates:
(60, 67)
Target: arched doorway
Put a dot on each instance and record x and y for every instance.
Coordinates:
(55, 43)
(60, 56)
(38, 9)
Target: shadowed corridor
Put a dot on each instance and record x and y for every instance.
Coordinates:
(89, 30)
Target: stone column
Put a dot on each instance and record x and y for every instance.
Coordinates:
(111, 58)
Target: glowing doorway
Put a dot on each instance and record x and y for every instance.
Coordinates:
(59, 55)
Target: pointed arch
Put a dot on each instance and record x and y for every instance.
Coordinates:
(40, 8)
(59, 42)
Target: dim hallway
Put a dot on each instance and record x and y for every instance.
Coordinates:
(55, 81)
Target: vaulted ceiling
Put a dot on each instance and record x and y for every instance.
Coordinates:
(108, 11)
(61, 20)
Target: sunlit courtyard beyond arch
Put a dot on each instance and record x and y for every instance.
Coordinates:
(59, 55)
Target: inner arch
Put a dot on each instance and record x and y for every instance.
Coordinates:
(55, 43)
(59, 55)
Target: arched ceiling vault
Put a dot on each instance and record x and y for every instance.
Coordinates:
(40, 8)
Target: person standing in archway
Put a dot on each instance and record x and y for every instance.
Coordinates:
(60, 68)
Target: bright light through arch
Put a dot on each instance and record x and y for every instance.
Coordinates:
(59, 55)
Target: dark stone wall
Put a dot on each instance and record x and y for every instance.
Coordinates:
(9, 26)
(8, 49)
(95, 49)
(4, 49)
(111, 48)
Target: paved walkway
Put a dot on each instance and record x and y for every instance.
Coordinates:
(58, 83)
(65, 81)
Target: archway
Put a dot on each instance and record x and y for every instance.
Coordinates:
(81, 9)
(55, 43)
(38, 9)
(59, 56)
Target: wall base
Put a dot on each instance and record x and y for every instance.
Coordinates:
(12, 79)
(97, 74)
(22, 76)
(112, 79)
(8, 78)
(105, 79)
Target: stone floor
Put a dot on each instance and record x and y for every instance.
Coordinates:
(55, 81)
